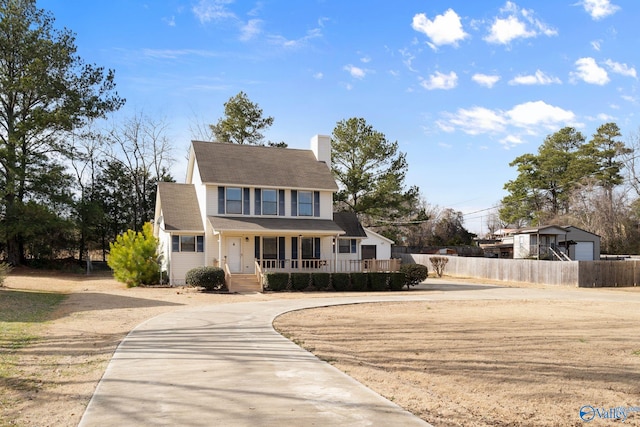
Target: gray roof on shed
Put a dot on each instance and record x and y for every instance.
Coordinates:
(180, 208)
(250, 165)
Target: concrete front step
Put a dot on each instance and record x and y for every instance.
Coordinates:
(244, 283)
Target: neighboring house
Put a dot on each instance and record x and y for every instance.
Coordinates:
(251, 209)
(550, 242)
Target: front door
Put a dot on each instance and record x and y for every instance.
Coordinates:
(234, 254)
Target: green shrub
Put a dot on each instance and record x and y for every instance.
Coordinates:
(210, 278)
(300, 281)
(379, 282)
(133, 257)
(359, 281)
(277, 281)
(321, 281)
(5, 269)
(396, 281)
(414, 273)
(341, 282)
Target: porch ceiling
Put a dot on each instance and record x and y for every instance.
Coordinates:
(259, 225)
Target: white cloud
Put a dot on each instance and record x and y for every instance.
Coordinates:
(444, 29)
(505, 30)
(511, 140)
(318, 76)
(520, 23)
(170, 21)
(537, 114)
(407, 59)
(356, 72)
(365, 59)
(251, 29)
(539, 78)
(599, 9)
(295, 43)
(596, 45)
(440, 81)
(590, 72)
(602, 117)
(212, 10)
(476, 120)
(485, 79)
(528, 118)
(618, 68)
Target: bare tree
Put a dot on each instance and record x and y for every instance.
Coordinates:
(140, 147)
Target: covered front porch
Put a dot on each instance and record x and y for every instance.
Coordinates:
(254, 246)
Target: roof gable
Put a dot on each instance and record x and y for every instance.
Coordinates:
(250, 165)
(180, 208)
(349, 222)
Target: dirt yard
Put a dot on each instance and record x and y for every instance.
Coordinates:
(452, 363)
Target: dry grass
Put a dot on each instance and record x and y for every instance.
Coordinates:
(483, 363)
(451, 362)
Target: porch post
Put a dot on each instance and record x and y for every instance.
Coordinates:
(336, 248)
(220, 250)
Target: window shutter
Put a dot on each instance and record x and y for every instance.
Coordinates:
(257, 247)
(199, 243)
(281, 248)
(316, 203)
(353, 246)
(221, 200)
(294, 248)
(258, 202)
(281, 202)
(246, 208)
(175, 243)
(294, 203)
(316, 248)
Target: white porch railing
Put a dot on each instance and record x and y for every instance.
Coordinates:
(328, 266)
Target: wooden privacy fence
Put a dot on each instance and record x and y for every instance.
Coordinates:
(584, 274)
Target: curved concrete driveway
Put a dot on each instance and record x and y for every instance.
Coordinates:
(225, 365)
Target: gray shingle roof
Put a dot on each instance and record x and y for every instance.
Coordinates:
(251, 165)
(261, 225)
(349, 222)
(180, 207)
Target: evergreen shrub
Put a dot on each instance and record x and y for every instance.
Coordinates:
(277, 281)
(210, 278)
(359, 281)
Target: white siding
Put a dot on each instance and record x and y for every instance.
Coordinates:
(212, 200)
(326, 205)
(383, 246)
(181, 262)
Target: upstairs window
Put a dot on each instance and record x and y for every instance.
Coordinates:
(305, 203)
(234, 200)
(269, 202)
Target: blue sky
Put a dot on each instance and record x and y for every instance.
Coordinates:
(463, 86)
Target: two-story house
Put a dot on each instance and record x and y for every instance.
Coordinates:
(250, 209)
